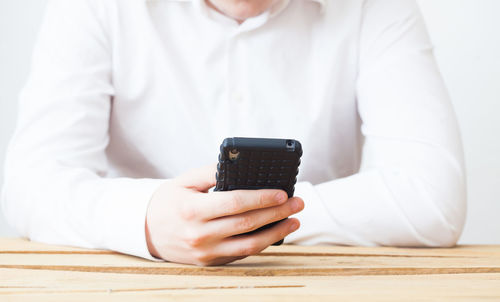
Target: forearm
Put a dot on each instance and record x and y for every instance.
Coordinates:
(416, 199)
(51, 203)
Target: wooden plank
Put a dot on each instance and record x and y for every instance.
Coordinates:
(275, 261)
(258, 265)
(24, 246)
(35, 285)
(17, 245)
(38, 272)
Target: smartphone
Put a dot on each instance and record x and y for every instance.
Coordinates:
(258, 163)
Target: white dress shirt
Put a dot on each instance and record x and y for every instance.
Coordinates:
(124, 94)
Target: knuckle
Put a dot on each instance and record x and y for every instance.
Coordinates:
(262, 200)
(236, 203)
(277, 214)
(245, 223)
(188, 212)
(250, 248)
(195, 239)
(203, 258)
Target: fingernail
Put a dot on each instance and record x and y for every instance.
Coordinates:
(280, 197)
(295, 205)
(294, 226)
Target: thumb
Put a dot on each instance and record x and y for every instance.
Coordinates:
(201, 179)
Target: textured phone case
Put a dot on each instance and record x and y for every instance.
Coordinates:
(258, 163)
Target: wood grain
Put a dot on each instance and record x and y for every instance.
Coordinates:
(256, 265)
(38, 272)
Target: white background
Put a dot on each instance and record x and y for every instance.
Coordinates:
(466, 34)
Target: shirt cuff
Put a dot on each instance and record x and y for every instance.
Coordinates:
(126, 231)
(316, 225)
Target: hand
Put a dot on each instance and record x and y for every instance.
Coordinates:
(186, 224)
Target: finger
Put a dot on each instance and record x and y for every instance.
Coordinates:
(221, 204)
(251, 244)
(249, 221)
(201, 179)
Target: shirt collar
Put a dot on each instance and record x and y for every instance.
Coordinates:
(282, 4)
(278, 7)
(250, 23)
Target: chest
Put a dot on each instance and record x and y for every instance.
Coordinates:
(195, 79)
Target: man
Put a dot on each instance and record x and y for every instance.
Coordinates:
(125, 96)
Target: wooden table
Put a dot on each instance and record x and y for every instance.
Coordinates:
(37, 272)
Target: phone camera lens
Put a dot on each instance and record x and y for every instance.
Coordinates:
(289, 144)
(234, 154)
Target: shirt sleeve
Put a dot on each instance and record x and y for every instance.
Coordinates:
(410, 190)
(56, 189)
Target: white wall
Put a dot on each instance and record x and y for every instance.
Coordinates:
(466, 34)
(467, 38)
(19, 22)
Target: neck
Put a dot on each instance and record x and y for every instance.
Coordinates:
(240, 10)
(210, 4)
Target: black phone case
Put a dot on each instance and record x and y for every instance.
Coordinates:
(258, 163)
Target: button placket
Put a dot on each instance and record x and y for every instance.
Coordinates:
(237, 94)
